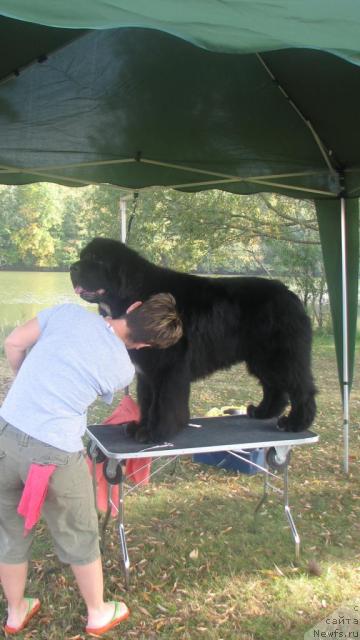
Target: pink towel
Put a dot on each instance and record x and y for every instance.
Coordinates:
(34, 494)
(126, 411)
(137, 470)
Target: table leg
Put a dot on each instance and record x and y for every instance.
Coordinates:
(107, 515)
(94, 481)
(288, 514)
(122, 534)
(283, 466)
(262, 500)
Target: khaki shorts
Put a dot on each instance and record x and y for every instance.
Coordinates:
(69, 508)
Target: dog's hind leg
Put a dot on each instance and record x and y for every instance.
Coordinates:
(272, 405)
(303, 409)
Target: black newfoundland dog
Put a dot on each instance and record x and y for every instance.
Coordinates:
(226, 320)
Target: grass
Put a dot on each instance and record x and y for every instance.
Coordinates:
(198, 568)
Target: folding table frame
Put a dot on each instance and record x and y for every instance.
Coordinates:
(236, 435)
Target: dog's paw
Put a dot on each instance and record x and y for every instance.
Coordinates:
(284, 424)
(251, 411)
(140, 433)
(131, 428)
(137, 433)
(256, 412)
(143, 436)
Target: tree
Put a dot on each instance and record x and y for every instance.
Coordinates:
(10, 220)
(29, 223)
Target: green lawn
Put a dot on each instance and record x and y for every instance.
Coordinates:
(198, 569)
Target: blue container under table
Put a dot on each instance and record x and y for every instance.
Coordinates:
(224, 460)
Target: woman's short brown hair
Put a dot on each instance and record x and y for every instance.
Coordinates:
(156, 322)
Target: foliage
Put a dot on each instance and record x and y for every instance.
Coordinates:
(30, 222)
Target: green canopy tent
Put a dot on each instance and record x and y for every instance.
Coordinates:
(245, 96)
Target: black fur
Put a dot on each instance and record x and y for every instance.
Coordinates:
(226, 320)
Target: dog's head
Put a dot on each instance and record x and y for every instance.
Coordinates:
(90, 276)
(108, 272)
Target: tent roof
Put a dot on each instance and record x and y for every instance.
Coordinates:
(279, 114)
(22, 43)
(232, 26)
(138, 107)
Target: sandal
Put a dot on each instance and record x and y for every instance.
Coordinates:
(33, 607)
(121, 612)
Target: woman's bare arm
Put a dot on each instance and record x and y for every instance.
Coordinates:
(19, 341)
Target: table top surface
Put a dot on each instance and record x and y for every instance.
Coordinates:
(224, 433)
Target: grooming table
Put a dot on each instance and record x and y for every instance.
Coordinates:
(233, 434)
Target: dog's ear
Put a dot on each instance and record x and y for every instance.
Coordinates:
(134, 306)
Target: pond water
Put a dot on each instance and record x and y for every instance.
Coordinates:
(24, 293)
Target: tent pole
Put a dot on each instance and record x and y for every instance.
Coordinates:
(123, 239)
(123, 220)
(345, 337)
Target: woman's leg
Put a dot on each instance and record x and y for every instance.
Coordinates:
(14, 546)
(70, 513)
(13, 580)
(89, 578)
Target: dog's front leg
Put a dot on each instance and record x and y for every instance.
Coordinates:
(145, 399)
(164, 404)
(172, 404)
